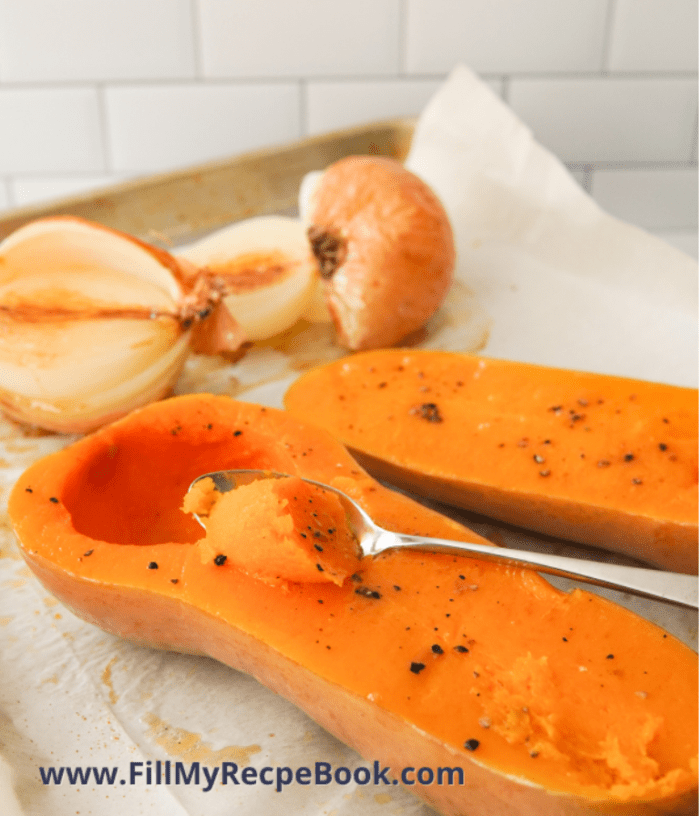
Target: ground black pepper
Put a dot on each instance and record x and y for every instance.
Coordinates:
(53, 499)
(471, 744)
(153, 565)
(437, 649)
(367, 592)
(428, 411)
(417, 668)
(220, 560)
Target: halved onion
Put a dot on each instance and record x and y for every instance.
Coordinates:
(93, 322)
(384, 246)
(265, 268)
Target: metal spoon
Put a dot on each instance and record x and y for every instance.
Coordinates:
(667, 586)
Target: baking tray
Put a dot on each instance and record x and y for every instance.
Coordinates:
(169, 210)
(174, 208)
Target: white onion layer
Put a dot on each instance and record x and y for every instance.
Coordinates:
(90, 324)
(268, 266)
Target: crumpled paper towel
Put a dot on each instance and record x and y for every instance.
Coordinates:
(544, 276)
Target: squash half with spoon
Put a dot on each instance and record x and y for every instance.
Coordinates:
(531, 700)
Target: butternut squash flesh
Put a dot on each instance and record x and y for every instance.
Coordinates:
(604, 461)
(276, 530)
(549, 703)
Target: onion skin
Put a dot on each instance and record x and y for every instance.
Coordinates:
(385, 249)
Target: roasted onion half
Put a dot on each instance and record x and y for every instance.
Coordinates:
(265, 269)
(384, 246)
(93, 323)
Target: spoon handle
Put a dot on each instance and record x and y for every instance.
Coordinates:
(667, 586)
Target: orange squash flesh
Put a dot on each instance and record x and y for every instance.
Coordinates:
(577, 705)
(600, 460)
(276, 530)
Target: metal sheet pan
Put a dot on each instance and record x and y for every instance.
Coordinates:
(177, 207)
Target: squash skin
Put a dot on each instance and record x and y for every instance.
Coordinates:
(531, 428)
(118, 594)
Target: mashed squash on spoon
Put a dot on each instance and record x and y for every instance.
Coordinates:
(277, 529)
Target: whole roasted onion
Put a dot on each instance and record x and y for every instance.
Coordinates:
(384, 246)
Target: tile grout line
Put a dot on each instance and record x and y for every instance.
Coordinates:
(304, 123)
(608, 37)
(403, 38)
(103, 119)
(197, 40)
(440, 76)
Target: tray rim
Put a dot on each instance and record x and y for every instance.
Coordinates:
(388, 136)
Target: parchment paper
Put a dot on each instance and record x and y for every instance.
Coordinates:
(544, 276)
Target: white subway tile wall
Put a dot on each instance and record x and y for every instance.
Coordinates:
(93, 92)
(158, 127)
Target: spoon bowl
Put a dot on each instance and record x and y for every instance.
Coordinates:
(672, 587)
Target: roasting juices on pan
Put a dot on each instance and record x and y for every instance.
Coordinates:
(541, 701)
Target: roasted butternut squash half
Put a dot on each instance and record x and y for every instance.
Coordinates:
(538, 701)
(604, 461)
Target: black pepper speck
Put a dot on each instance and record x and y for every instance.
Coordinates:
(366, 592)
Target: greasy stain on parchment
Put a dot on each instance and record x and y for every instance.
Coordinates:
(189, 747)
(382, 798)
(107, 680)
